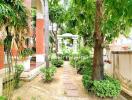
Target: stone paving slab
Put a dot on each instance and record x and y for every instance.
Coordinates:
(66, 77)
(67, 81)
(72, 93)
(72, 98)
(67, 73)
(70, 89)
(70, 86)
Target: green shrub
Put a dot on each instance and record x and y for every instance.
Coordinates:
(18, 70)
(57, 62)
(84, 52)
(87, 74)
(66, 55)
(48, 73)
(87, 81)
(108, 87)
(73, 61)
(80, 60)
(82, 65)
(3, 98)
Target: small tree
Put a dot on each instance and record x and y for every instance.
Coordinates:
(14, 20)
(56, 16)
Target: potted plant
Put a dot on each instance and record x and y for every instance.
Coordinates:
(25, 55)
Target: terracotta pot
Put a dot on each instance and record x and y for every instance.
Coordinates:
(1, 56)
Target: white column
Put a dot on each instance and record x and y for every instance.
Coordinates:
(59, 45)
(40, 58)
(75, 45)
(1, 86)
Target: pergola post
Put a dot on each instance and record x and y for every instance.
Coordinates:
(75, 44)
(74, 37)
(59, 45)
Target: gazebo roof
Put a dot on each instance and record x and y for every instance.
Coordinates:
(68, 35)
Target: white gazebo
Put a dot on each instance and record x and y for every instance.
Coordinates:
(74, 37)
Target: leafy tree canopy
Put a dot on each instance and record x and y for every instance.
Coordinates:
(56, 12)
(116, 18)
(13, 13)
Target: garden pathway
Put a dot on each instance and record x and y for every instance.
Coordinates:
(70, 88)
(66, 85)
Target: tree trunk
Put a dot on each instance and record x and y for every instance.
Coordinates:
(55, 40)
(98, 70)
(85, 41)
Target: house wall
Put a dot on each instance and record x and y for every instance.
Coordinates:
(38, 4)
(1, 56)
(40, 46)
(122, 69)
(40, 36)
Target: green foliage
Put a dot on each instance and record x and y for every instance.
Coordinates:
(3, 98)
(84, 59)
(57, 62)
(116, 19)
(65, 55)
(81, 59)
(108, 87)
(26, 52)
(73, 61)
(14, 13)
(48, 72)
(82, 64)
(19, 98)
(33, 11)
(56, 14)
(87, 74)
(84, 52)
(18, 70)
(7, 43)
(87, 81)
(80, 19)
